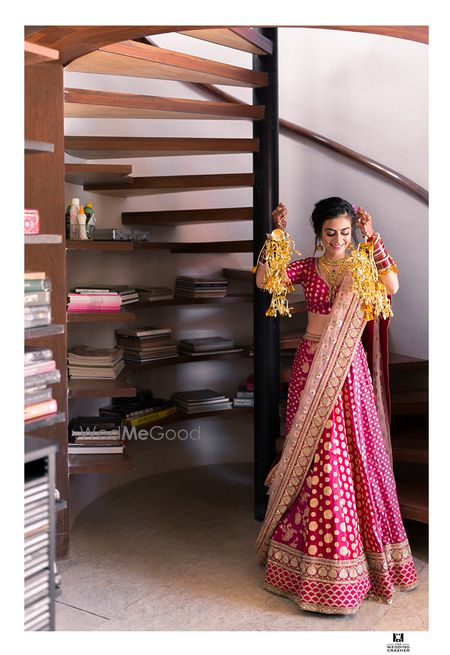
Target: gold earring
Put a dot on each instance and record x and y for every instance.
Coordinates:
(319, 246)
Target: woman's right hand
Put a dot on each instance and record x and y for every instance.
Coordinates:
(279, 216)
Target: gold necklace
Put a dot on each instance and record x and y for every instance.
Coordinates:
(332, 270)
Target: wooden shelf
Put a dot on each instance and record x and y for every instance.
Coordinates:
(117, 147)
(96, 173)
(181, 300)
(108, 463)
(132, 368)
(38, 146)
(180, 417)
(134, 59)
(244, 274)
(120, 387)
(37, 54)
(100, 317)
(44, 421)
(84, 103)
(44, 331)
(39, 239)
(114, 462)
(126, 315)
(128, 246)
(144, 186)
(245, 39)
(217, 246)
(188, 216)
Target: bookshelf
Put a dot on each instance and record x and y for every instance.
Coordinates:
(45, 252)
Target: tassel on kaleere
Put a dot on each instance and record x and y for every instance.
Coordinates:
(366, 284)
(279, 247)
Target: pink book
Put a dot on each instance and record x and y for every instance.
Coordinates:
(40, 409)
(40, 367)
(92, 309)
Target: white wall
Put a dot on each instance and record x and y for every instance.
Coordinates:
(367, 92)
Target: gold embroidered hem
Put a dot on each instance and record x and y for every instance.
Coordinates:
(309, 607)
(338, 586)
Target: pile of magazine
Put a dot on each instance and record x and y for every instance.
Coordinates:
(39, 373)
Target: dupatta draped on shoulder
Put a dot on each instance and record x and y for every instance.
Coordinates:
(325, 380)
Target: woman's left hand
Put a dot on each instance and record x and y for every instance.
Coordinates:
(364, 222)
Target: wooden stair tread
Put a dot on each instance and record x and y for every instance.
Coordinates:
(413, 498)
(188, 216)
(134, 59)
(72, 41)
(410, 396)
(84, 103)
(410, 449)
(96, 173)
(103, 147)
(396, 358)
(37, 54)
(173, 183)
(245, 39)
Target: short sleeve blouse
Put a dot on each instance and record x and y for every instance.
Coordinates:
(304, 272)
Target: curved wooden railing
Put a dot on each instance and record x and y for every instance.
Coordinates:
(292, 128)
(72, 41)
(417, 33)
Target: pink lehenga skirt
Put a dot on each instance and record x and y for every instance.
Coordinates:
(342, 539)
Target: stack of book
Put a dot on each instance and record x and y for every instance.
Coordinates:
(37, 308)
(40, 372)
(127, 295)
(93, 301)
(36, 553)
(146, 344)
(198, 346)
(152, 294)
(200, 400)
(244, 397)
(95, 363)
(201, 287)
(93, 435)
(139, 411)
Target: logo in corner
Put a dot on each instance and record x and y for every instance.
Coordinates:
(398, 643)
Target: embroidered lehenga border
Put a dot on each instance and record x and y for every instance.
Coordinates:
(326, 377)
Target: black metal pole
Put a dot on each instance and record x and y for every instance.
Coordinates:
(265, 329)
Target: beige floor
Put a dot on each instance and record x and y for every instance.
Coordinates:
(175, 552)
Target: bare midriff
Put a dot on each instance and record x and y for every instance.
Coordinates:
(317, 323)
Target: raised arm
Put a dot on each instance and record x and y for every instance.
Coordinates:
(387, 268)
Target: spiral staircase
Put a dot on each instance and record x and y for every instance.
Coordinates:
(130, 51)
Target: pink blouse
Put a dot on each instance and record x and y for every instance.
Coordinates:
(304, 271)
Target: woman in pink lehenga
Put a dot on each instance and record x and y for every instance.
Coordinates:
(333, 534)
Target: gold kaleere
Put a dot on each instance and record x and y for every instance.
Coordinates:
(366, 284)
(279, 247)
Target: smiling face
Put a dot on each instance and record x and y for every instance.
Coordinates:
(336, 236)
